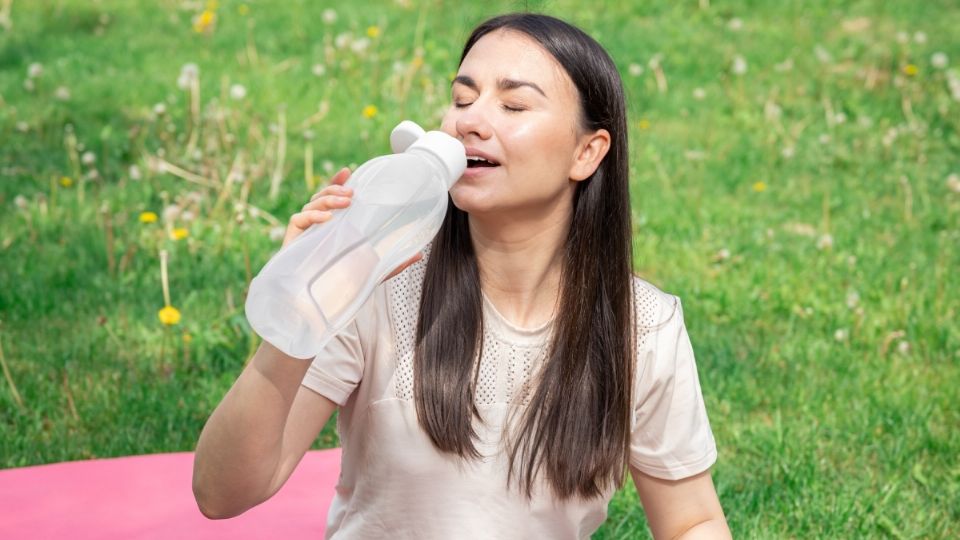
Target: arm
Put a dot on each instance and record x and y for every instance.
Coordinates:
(257, 435)
(686, 508)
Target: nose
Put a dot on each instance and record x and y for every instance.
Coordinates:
(469, 122)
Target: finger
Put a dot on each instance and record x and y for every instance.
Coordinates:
(341, 176)
(333, 189)
(302, 220)
(404, 266)
(327, 202)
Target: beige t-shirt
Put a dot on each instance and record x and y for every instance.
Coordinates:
(395, 484)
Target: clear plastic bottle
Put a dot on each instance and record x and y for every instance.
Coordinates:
(314, 286)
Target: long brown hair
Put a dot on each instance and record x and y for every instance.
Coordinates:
(576, 427)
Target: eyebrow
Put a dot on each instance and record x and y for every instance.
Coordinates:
(502, 84)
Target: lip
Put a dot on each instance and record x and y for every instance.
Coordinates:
(480, 171)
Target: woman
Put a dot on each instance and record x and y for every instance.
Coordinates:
(500, 386)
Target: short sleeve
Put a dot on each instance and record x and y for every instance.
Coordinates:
(671, 437)
(337, 370)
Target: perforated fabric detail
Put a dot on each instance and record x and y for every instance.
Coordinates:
(404, 294)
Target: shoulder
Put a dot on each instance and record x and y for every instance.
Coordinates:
(653, 309)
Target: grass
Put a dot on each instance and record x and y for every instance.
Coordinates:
(803, 209)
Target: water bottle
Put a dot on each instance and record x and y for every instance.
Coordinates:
(312, 288)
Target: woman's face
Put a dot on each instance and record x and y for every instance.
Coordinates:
(515, 107)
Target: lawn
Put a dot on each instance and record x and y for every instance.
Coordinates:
(795, 180)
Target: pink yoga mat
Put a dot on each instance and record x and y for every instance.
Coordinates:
(150, 497)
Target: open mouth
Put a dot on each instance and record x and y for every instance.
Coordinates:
(474, 162)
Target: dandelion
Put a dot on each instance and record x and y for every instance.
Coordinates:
(66, 181)
(62, 93)
(188, 216)
(824, 139)
(739, 66)
(134, 173)
(159, 109)
(360, 46)
(22, 127)
(187, 338)
(319, 70)
(204, 21)
(902, 37)
(759, 187)
(168, 315)
(170, 213)
(342, 40)
(699, 94)
(722, 255)
(910, 70)
(34, 70)
(88, 158)
(28, 85)
(920, 37)
(825, 242)
(853, 299)
(635, 70)
(370, 111)
(839, 118)
(329, 16)
(148, 217)
(903, 348)
(841, 334)
(939, 60)
(238, 92)
(189, 73)
(179, 233)
(822, 54)
(20, 202)
(327, 166)
(373, 31)
(788, 152)
(643, 124)
(735, 24)
(953, 183)
(243, 10)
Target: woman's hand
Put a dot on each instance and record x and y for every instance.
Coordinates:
(320, 209)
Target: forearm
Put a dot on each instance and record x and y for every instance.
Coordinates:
(240, 448)
(707, 530)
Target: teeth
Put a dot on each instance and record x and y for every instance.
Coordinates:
(478, 159)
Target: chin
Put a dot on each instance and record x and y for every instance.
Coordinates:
(472, 200)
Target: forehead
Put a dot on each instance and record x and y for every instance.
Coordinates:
(508, 54)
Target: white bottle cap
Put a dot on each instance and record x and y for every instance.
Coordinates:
(405, 134)
(450, 151)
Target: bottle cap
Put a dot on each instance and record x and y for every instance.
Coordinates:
(405, 134)
(450, 151)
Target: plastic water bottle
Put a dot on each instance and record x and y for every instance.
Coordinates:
(312, 288)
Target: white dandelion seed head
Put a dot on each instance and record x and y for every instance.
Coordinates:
(840, 118)
(277, 233)
(34, 70)
(238, 92)
(187, 216)
(841, 335)
(88, 158)
(788, 152)
(92, 174)
(903, 37)
(308, 134)
(28, 85)
(824, 139)
(635, 70)
(939, 60)
(655, 61)
(134, 173)
(360, 45)
(722, 255)
(170, 213)
(822, 54)
(159, 109)
(853, 299)
(699, 93)
(189, 73)
(329, 16)
(903, 347)
(772, 111)
(920, 38)
(953, 182)
(20, 202)
(825, 242)
(342, 40)
(735, 24)
(62, 93)
(22, 126)
(319, 70)
(327, 166)
(739, 65)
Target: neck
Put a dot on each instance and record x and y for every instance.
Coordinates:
(520, 260)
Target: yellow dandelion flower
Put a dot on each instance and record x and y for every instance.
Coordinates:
(148, 217)
(187, 338)
(179, 233)
(373, 31)
(370, 111)
(911, 70)
(417, 62)
(644, 124)
(243, 10)
(760, 186)
(169, 315)
(204, 21)
(66, 181)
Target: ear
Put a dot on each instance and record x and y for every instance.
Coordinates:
(591, 150)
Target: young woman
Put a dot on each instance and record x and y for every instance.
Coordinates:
(501, 385)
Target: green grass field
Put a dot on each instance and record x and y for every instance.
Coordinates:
(796, 181)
